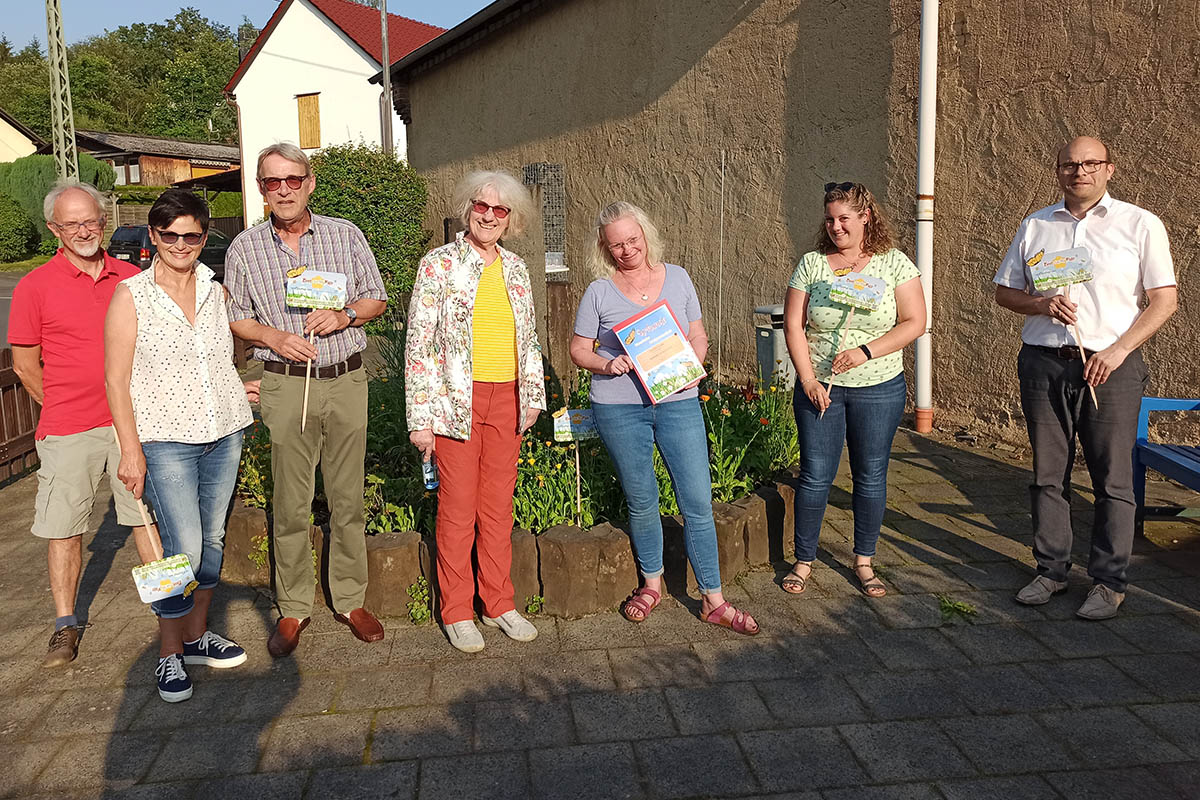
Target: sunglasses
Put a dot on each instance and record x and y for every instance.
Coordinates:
(480, 207)
(170, 237)
(272, 184)
(845, 186)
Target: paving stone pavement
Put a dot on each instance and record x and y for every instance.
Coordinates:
(839, 697)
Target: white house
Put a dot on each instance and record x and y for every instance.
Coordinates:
(16, 140)
(305, 81)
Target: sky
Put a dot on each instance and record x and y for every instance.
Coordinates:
(84, 18)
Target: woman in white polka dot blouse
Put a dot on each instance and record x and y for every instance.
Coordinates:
(179, 408)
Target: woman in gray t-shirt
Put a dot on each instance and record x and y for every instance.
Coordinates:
(627, 253)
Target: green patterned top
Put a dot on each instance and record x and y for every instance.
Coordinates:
(827, 318)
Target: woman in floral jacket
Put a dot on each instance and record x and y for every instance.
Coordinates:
(474, 383)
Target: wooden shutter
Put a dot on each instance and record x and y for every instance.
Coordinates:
(310, 120)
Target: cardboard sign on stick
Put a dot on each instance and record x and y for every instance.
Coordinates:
(313, 288)
(856, 290)
(1064, 269)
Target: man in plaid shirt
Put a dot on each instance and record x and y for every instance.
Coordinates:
(335, 430)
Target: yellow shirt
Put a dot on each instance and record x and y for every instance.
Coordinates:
(494, 350)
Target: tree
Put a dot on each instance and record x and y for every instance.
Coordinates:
(18, 236)
(384, 197)
(6, 49)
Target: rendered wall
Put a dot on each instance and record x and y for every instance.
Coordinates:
(637, 99)
(306, 54)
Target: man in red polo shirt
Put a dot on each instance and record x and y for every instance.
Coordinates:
(56, 329)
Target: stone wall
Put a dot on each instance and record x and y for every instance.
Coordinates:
(638, 99)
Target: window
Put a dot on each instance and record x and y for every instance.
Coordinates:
(135, 172)
(310, 120)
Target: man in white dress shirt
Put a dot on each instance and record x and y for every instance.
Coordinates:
(1131, 262)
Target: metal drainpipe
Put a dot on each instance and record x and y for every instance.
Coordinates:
(926, 125)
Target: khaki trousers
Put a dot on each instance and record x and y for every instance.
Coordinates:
(335, 436)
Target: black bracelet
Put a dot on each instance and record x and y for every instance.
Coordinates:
(866, 351)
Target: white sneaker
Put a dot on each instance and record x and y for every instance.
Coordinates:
(465, 636)
(513, 624)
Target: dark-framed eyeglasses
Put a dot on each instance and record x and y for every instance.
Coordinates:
(844, 186)
(272, 184)
(1086, 167)
(72, 228)
(170, 237)
(480, 207)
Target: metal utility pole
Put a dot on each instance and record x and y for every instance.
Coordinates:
(66, 158)
(385, 110)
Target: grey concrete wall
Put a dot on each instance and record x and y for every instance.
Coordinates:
(637, 99)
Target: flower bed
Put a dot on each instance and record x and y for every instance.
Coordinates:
(752, 438)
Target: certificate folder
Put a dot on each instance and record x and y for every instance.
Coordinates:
(662, 356)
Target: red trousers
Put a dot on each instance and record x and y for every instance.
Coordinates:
(475, 501)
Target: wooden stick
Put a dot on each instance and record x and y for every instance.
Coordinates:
(152, 543)
(307, 376)
(578, 490)
(1084, 356)
(841, 344)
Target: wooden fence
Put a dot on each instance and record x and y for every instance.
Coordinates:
(18, 421)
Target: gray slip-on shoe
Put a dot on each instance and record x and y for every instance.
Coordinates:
(1040, 590)
(1102, 603)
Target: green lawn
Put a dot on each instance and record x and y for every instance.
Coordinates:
(26, 265)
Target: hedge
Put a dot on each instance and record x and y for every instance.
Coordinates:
(383, 196)
(28, 180)
(18, 235)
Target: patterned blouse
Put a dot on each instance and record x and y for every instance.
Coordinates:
(183, 383)
(438, 361)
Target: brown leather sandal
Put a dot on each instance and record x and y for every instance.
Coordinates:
(794, 582)
(871, 586)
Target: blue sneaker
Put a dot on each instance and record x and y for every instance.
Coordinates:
(174, 685)
(212, 650)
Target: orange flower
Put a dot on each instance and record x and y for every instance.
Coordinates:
(764, 420)
(704, 398)
(725, 412)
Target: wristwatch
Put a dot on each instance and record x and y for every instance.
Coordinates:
(351, 313)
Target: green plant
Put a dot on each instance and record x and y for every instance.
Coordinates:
(386, 199)
(18, 235)
(259, 551)
(254, 484)
(419, 607)
(535, 604)
(382, 515)
(953, 610)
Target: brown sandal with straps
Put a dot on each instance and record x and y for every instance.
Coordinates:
(794, 582)
(872, 586)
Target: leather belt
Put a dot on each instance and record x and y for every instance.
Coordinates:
(321, 373)
(1067, 352)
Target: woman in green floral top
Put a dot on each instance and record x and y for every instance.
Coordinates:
(473, 384)
(863, 365)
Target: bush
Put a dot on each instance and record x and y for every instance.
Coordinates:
(29, 179)
(384, 197)
(18, 234)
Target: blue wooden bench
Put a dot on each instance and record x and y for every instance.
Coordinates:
(1178, 462)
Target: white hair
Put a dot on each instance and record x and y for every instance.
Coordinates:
(510, 191)
(62, 187)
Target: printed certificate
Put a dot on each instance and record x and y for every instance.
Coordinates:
(662, 356)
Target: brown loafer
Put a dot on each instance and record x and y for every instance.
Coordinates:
(64, 646)
(286, 636)
(362, 624)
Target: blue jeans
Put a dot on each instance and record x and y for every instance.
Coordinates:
(191, 486)
(630, 431)
(865, 418)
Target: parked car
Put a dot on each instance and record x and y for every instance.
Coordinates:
(132, 243)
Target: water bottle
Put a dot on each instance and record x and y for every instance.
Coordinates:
(429, 472)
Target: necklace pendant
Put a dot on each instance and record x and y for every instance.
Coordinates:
(644, 297)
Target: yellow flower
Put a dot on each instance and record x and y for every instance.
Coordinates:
(530, 460)
(541, 477)
(558, 466)
(774, 388)
(549, 443)
(384, 379)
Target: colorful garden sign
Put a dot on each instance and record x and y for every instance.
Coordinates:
(573, 425)
(1064, 269)
(857, 290)
(314, 288)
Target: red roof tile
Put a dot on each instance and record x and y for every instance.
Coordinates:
(361, 24)
(358, 22)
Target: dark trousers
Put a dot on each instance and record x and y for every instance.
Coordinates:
(1058, 408)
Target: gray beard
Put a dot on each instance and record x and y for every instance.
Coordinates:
(86, 250)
